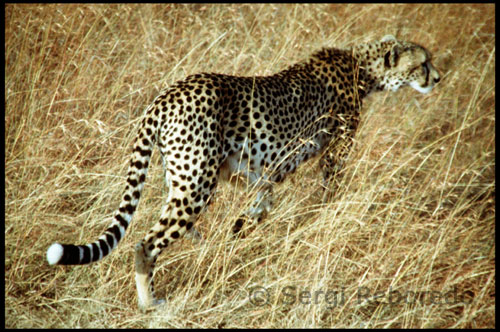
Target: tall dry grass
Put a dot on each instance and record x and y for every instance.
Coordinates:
(408, 241)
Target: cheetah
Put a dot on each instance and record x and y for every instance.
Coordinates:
(212, 126)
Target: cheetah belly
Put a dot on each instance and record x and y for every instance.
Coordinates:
(273, 164)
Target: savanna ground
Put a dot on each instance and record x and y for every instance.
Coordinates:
(408, 240)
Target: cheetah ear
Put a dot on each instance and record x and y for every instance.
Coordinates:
(391, 58)
(387, 38)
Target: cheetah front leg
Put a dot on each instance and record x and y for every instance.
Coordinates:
(259, 209)
(335, 156)
(332, 163)
(194, 236)
(330, 166)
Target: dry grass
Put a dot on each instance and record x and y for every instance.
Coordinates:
(415, 215)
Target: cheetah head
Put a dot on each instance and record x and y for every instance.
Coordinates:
(397, 63)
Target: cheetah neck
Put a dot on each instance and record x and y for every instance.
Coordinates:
(370, 58)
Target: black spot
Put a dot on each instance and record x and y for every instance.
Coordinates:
(130, 208)
(132, 182)
(177, 202)
(143, 153)
(238, 225)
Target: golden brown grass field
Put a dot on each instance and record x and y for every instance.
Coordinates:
(408, 241)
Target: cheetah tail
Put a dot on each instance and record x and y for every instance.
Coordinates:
(69, 254)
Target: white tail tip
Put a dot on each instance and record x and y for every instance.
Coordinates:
(54, 253)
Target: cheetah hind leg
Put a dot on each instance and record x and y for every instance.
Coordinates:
(144, 279)
(193, 233)
(169, 229)
(145, 259)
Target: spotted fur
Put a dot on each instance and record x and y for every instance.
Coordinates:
(260, 128)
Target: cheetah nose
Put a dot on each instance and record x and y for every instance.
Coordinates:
(437, 79)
